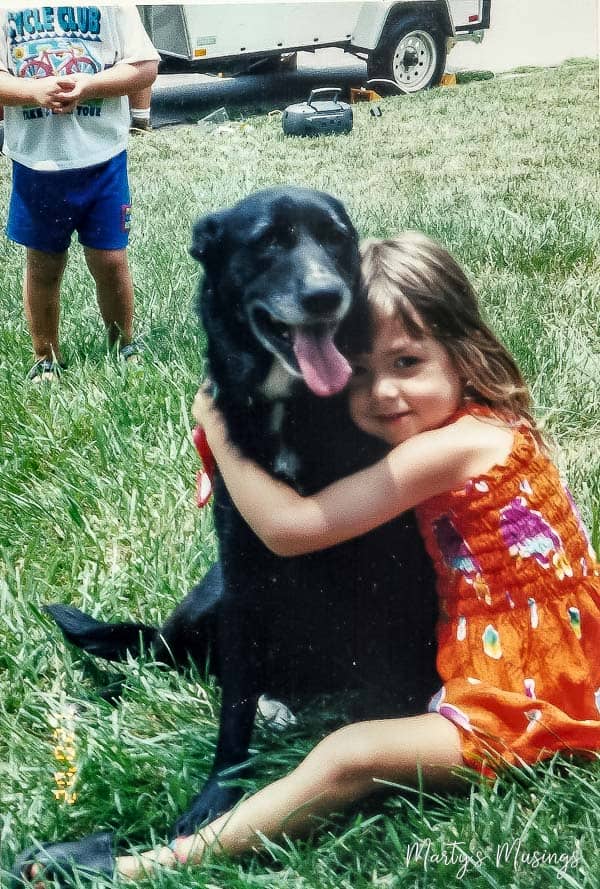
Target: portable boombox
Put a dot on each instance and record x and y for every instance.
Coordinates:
(323, 114)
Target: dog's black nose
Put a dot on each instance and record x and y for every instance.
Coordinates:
(322, 300)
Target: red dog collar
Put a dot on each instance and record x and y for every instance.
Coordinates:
(204, 477)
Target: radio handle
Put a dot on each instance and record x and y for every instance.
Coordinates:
(330, 91)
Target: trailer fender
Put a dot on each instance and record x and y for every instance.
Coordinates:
(376, 18)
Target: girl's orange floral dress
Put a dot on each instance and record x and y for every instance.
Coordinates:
(519, 627)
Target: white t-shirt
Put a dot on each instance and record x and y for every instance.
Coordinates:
(42, 41)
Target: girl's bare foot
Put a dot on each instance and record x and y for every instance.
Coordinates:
(181, 851)
(133, 866)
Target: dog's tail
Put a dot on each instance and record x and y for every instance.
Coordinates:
(190, 633)
(106, 640)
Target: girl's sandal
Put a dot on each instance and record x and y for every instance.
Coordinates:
(89, 857)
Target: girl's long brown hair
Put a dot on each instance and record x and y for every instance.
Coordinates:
(413, 278)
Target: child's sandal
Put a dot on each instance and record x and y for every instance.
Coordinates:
(89, 857)
(131, 352)
(45, 371)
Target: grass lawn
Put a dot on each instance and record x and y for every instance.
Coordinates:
(97, 478)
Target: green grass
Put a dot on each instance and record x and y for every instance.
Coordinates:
(97, 474)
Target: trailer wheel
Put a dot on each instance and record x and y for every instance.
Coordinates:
(412, 52)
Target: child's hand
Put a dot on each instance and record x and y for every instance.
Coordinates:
(75, 89)
(49, 93)
(207, 415)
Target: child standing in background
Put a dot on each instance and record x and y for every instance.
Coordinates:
(65, 73)
(519, 587)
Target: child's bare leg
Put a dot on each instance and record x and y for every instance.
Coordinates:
(114, 291)
(342, 769)
(41, 300)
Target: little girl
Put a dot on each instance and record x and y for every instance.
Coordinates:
(519, 586)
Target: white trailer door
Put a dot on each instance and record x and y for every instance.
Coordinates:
(470, 14)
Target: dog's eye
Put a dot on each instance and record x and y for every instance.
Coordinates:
(286, 235)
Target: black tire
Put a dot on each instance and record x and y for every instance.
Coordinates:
(411, 53)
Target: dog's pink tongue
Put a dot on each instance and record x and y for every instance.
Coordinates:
(324, 369)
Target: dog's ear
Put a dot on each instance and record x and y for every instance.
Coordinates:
(206, 236)
(342, 214)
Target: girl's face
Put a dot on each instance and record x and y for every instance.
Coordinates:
(404, 386)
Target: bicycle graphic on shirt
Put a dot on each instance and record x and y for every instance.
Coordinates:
(51, 61)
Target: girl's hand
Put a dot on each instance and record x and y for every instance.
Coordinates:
(207, 414)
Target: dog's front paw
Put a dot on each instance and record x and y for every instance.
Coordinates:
(214, 799)
(275, 713)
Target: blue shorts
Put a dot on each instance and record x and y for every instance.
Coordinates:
(47, 207)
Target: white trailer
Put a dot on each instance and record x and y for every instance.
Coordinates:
(402, 40)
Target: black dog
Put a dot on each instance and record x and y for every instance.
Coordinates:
(281, 276)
